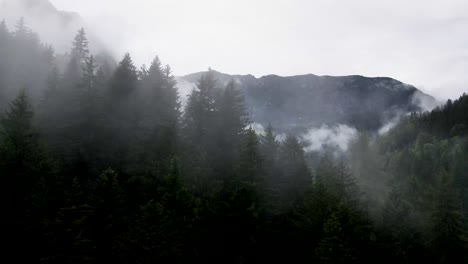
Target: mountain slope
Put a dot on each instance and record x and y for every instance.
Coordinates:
(304, 101)
(54, 26)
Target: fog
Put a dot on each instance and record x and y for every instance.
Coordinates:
(338, 136)
(421, 42)
(116, 144)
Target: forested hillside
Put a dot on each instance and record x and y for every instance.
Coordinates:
(103, 164)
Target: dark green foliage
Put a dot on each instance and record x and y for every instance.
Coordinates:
(164, 226)
(449, 235)
(28, 175)
(294, 175)
(128, 178)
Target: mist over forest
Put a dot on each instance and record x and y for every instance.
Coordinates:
(104, 160)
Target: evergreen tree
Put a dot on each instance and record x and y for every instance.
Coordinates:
(4, 33)
(122, 112)
(70, 231)
(80, 48)
(232, 123)
(250, 159)
(28, 175)
(159, 128)
(89, 75)
(171, 111)
(163, 229)
(449, 232)
(21, 30)
(200, 113)
(346, 238)
(269, 148)
(241, 208)
(270, 144)
(108, 222)
(295, 174)
(4, 67)
(124, 80)
(399, 223)
(198, 132)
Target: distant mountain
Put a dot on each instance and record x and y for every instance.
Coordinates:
(54, 26)
(294, 103)
(297, 103)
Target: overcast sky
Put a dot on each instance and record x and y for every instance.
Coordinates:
(421, 42)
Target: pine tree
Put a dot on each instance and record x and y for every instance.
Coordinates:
(24, 37)
(123, 114)
(70, 230)
(295, 174)
(200, 112)
(269, 142)
(241, 208)
(345, 238)
(4, 65)
(162, 106)
(72, 76)
(108, 222)
(399, 224)
(232, 119)
(20, 28)
(449, 233)
(198, 132)
(155, 74)
(124, 80)
(4, 35)
(80, 48)
(171, 110)
(159, 127)
(250, 161)
(91, 126)
(28, 175)
(269, 148)
(233, 114)
(367, 168)
(89, 75)
(163, 229)
(334, 248)
(49, 56)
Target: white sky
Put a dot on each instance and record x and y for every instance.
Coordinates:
(421, 42)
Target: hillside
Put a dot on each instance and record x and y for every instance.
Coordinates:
(304, 101)
(55, 27)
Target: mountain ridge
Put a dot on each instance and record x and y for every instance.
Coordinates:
(303, 101)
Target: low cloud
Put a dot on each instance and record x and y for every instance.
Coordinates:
(260, 130)
(337, 136)
(424, 102)
(184, 88)
(389, 125)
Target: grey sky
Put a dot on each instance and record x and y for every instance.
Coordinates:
(421, 42)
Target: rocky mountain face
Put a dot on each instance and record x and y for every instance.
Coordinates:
(297, 103)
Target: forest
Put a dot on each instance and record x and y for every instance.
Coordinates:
(102, 163)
